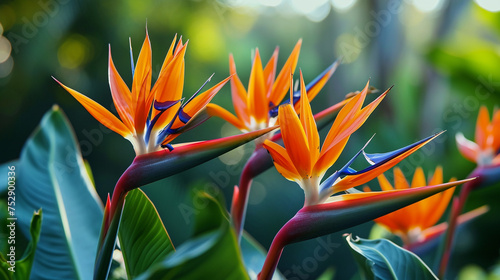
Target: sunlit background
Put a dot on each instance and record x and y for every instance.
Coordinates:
(442, 56)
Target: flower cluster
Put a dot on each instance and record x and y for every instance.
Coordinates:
(150, 116)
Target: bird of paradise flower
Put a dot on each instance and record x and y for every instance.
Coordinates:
(303, 160)
(256, 107)
(150, 118)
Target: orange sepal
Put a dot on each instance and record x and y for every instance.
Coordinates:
(256, 99)
(238, 93)
(216, 110)
(295, 139)
(467, 148)
(270, 73)
(200, 101)
(281, 84)
(282, 161)
(483, 121)
(121, 95)
(99, 112)
(141, 86)
(308, 122)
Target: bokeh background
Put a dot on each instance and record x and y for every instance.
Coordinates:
(442, 57)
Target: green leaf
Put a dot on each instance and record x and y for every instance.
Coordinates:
(51, 175)
(382, 259)
(4, 269)
(4, 174)
(22, 268)
(328, 274)
(210, 254)
(143, 238)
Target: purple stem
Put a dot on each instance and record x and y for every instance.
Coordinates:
(258, 162)
(457, 208)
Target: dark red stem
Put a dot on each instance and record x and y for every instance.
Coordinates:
(258, 162)
(109, 231)
(457, 208)
(273, 255)
(240, 202)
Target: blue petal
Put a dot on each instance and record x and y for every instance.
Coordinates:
(183, 116)
(379, 159)
(198, 91)
(329, 181)
(162, 107)
(375, 160)
(168, 146)
(131, 56)
(167, 130)
(346, 170)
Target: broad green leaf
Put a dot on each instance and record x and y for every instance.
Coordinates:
(52, 176)
(4, 269)
(4, 174)
(143, 238)
(22, 268)
(212, 254)
(382, 259)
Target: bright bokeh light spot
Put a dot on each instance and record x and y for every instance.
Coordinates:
(6, 67)
(348, 47)
(489, 5)
(236, 3)
(241, 21)
(74, 51)
(206, 41)
(307, 6)
(428, 6)
(320, 13)
(343, 5)
(1, 28)
(258, 193)
(5, 49)
(270, 3)
(234, 156)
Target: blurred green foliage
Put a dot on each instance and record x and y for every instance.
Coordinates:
(442, 63)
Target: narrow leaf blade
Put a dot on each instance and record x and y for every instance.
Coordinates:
(22, 268)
